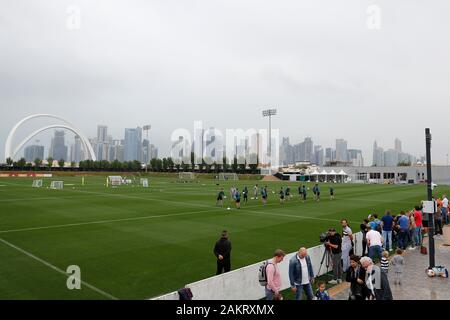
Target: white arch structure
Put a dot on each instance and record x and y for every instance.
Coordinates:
(10, 153)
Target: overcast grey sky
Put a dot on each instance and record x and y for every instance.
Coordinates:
(169, 63)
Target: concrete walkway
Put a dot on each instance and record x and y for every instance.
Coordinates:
(416, 284)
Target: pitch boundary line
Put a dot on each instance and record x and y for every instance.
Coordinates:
(55, 268)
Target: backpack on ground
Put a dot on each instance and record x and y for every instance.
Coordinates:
(262, 274)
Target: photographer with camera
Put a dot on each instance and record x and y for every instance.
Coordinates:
(334, 243)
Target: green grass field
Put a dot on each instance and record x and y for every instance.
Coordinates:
(137, 243)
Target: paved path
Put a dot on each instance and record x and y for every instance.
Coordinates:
(416, 284)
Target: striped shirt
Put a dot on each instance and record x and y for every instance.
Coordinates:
(384, 264)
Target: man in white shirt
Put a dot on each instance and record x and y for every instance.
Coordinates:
(301, 274)
(444, 209)
(347, 244)
(374, 242)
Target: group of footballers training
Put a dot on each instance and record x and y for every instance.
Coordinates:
(284, 194)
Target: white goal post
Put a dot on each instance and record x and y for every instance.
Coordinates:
(228, 176)
(144, 182)
(37, 184)
(186, 176)
(114, 181)
(57, 185)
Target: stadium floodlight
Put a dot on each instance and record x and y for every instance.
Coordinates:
(269, 113)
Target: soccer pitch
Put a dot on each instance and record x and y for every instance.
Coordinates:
(137, 243)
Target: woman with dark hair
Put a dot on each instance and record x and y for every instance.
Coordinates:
(356, 276)
(363, 228)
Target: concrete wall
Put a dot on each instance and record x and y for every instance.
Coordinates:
(242, 284)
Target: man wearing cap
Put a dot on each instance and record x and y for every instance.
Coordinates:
(334, 244)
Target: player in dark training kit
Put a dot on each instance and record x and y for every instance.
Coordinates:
(331, 193)
(220, 196)
(281, 195)
(245, 194)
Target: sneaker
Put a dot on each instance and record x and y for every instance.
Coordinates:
(339, 281)
(332, 282)
(390, 250)
(412, 248)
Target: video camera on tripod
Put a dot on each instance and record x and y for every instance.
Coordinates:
(327, 254)
(324, 237)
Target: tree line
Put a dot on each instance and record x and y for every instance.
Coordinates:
(155, 165)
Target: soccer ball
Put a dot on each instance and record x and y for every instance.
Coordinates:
(228, 208)
(224, 197)
(431, 273)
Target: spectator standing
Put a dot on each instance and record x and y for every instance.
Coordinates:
(417, 236)
(438, 218)
(377, 282)
(356, 276)
(403, 223)
(335, 244)
(222, 251)
(374, 242)
(301, 274)
(387, 223)
(398, 264)
(445, 206)
(347, 244)
(375, 222)
(273, 286)
(384, 264)
(363, 228)
(412, 228)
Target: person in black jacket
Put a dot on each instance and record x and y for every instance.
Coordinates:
(222, 251)
(356, 275)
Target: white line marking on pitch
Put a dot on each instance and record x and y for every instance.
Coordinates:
(48, 264)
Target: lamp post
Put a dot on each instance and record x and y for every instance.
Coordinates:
(430, 197)
(146, 129)
(269, 113)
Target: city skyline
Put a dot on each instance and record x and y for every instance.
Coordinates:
(106, 147)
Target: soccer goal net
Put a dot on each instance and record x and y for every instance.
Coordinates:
(228, 176)
(37, 184)
(186, 176)
(144, 182)
(57, 185)
(114, 180)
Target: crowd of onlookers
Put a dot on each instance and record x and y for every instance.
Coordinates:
(368, 280)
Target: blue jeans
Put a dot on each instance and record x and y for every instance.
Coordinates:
(402, 239)
(269, 294)
(444, 215)
(308, 290)
(387, 237)
(417, 236)
(375, 250)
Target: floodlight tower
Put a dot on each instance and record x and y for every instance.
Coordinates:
(146, 128)
(269, 113)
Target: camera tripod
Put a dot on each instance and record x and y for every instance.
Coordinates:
(326, 258)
